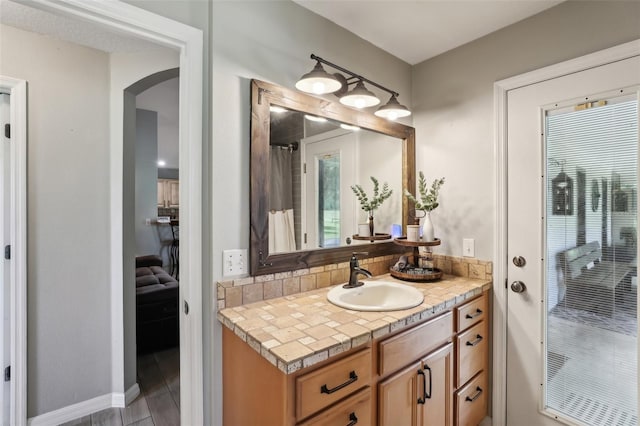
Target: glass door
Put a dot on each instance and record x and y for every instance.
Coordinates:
(591, 323)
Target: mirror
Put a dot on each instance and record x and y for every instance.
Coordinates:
(311, 224)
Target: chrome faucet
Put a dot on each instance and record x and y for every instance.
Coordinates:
(356, 270)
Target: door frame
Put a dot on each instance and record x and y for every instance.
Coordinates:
(132, 21)
(500, 92)
(18, 239)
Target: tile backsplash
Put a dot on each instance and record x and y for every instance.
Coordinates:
(242, 291)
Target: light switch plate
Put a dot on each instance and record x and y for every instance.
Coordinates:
(468, 247)
(234, 262)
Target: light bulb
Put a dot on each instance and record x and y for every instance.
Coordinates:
(359, 103)
(318, 88)
(393, 116)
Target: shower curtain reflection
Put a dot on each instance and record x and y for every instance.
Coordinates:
(281, 221)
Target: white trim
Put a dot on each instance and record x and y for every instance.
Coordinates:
(500, 90)
(132, 21)
(75, 411)
(130, 395)
(18, 240)
(123, 399)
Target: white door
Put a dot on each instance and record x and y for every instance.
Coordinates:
(328, 213)
(532, 363)
(5, 308)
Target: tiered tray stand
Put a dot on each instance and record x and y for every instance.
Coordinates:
(377, 237)
(415, 272)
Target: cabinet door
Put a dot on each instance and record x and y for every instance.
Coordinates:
(397, 398)
(436, 388)
(161, 193)
(173, 193)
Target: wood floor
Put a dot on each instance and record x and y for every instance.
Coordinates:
(159, 400)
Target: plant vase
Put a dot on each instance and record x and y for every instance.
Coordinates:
(371, 226)
(427, 228)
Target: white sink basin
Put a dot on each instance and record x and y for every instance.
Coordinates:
(376, 296)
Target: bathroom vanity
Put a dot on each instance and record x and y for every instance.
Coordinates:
(299, 360)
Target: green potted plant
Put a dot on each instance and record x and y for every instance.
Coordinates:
(370, 204)
(427, 202)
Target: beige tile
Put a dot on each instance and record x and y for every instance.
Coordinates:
(291, 351)
(226, 284)
(476, 271)
(352, 330)
(252, 293)
(233, 296)
(219, 292)
(316, 269)
(300, 272)
(330, 267)
(264, 278)
(283, 275)
(272, 289)
(339, 276)
(460, 269)
(320, 331)
(308, 283)
(323, 279)
(288, 334)
(243, 281)
(291, 286)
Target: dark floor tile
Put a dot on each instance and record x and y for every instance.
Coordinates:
(107, 417)
(84, 421)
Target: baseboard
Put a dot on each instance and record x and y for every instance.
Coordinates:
(131, 394)
(85, 408)
(72, 412)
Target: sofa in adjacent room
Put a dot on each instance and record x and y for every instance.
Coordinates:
(156, 305)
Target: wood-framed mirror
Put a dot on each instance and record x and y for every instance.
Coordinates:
(266, 100)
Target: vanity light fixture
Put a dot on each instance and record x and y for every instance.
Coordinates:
(393, 110)
(320, 82)
(360, 97)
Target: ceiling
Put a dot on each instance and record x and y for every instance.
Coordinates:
(418, 30)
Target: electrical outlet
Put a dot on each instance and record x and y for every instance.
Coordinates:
(234, 262)
(147, 221)
(468, 247)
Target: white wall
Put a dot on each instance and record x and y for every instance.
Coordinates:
(453, 105)
(69, 349)
(146, 200)
(270, 41)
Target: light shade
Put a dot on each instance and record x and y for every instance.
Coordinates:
(360, 97)
(318, 81)
(393, 110)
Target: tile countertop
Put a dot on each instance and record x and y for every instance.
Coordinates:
(297, 331)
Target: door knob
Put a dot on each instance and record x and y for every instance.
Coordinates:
(519, 261)
(518, 287)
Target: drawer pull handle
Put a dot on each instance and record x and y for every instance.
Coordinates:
(476, 314)
(353, 419)
(475, 342)
(474, 397)
(352, 378)
(422, 399)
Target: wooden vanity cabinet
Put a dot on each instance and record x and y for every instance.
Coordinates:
(420, 394)
(424, 375)
(472, 361)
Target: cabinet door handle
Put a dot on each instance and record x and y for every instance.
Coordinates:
(353, 419)
(352, 378)
(422, 399)
(427, 395)
(475, 396)
(475, 342)
(476, 314)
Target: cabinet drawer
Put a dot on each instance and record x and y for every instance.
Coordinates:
(471, 313)
(471, 401)
(396, 351)
(326, 385)
(356, 409)
(471, 354)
